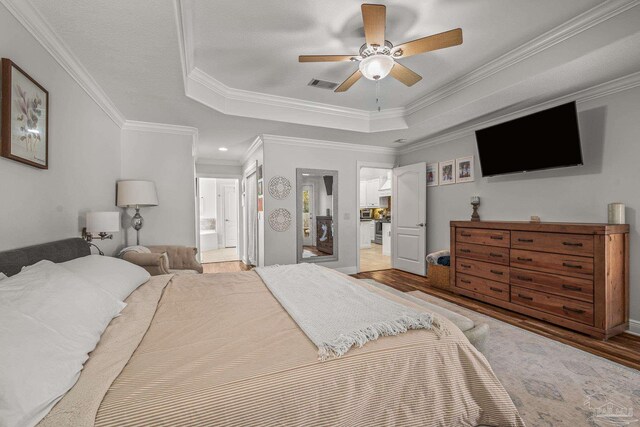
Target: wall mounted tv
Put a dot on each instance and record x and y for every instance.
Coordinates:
(544, 140)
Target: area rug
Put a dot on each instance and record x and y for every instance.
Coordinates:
(553, 384)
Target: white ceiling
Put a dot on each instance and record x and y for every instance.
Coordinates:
(254, 45)
(133, 51)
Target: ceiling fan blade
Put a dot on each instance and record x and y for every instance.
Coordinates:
(324, 58)
(405, 75)
(429, 43)
(349, 82)
(374, 17)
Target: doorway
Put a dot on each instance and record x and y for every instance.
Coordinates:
(375, 218)
(218, 219)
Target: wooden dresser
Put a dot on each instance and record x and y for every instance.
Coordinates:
(572, 275)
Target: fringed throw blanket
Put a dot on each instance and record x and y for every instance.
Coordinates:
(334, 312)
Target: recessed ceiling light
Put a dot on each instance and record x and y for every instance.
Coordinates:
(400, 140)
(223, 149)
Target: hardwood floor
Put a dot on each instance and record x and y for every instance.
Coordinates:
(623, 348)
(225, 267)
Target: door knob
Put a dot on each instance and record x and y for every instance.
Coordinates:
(422, 224)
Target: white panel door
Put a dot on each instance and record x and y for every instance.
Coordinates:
(409, 212)
(230, 217)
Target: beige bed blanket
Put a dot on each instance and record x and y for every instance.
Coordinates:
(221, 351)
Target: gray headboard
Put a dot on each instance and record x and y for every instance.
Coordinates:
(12, 261)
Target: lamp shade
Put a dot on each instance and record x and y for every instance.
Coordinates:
(136, 193)
(103, 222)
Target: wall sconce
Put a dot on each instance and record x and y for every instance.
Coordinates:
(100, 225)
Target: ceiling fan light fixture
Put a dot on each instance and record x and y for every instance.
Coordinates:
(376, 67)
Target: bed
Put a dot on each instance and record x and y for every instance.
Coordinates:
(219, 350)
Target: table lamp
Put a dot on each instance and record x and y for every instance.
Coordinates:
(136, 194)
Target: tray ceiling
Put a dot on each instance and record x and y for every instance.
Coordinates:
(155, 62)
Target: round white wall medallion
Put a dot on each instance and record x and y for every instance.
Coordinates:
(279, 187)
(280, 219)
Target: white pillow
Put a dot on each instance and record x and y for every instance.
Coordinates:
(3, 276)
(114, 275)
(50, 319)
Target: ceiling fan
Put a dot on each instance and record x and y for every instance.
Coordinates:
(378, 57)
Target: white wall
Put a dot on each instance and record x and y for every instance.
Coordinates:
(40, 206)
(610, 132)
(167, 160)
(282, 159)
(208, 199)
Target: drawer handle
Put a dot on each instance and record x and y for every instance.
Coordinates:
(565, 264)
(465, 281)
(496, 237)
(525, 278)
(525, 259)
(525, 240)
(525, 297)
(572, 244)
(495, 289)
(572, 288)
(463, 234)
(466, 251)
(499, 273)
(465, 265)
(491, 254)
(573, 310)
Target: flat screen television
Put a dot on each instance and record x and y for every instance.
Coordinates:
(544, 140)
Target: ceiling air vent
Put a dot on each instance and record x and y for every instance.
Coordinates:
(322, 84)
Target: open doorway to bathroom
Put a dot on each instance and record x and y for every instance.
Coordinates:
(219, 208)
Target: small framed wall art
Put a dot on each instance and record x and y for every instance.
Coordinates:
(432, 174)
(24, 133)
(464, 169)
(447, 174)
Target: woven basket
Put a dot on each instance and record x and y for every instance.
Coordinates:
(438, 276)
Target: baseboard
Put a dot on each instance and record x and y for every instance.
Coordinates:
(634, 327)
(347, 270)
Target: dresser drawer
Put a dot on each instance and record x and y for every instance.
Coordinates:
(482, 269)
(579, 311)
(570, 244)
(483, 237)
(570, 287)
(483, 286)
(483, 253)
(568, 265)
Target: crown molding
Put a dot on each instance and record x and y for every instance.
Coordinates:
(218, 162)
(257, 143)
(135, 126)
(317, 143)
(571, 28)
(598, 91)
(35, 24)
(132, 125)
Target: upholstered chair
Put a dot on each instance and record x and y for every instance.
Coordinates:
(166, 259)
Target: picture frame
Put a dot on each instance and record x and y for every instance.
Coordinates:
(432, 175)
(465, 169)
(24, 127)
(447, 173)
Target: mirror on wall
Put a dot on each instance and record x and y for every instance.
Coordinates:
(317, 215)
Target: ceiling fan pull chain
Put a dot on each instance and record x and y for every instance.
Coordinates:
(378, 94)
